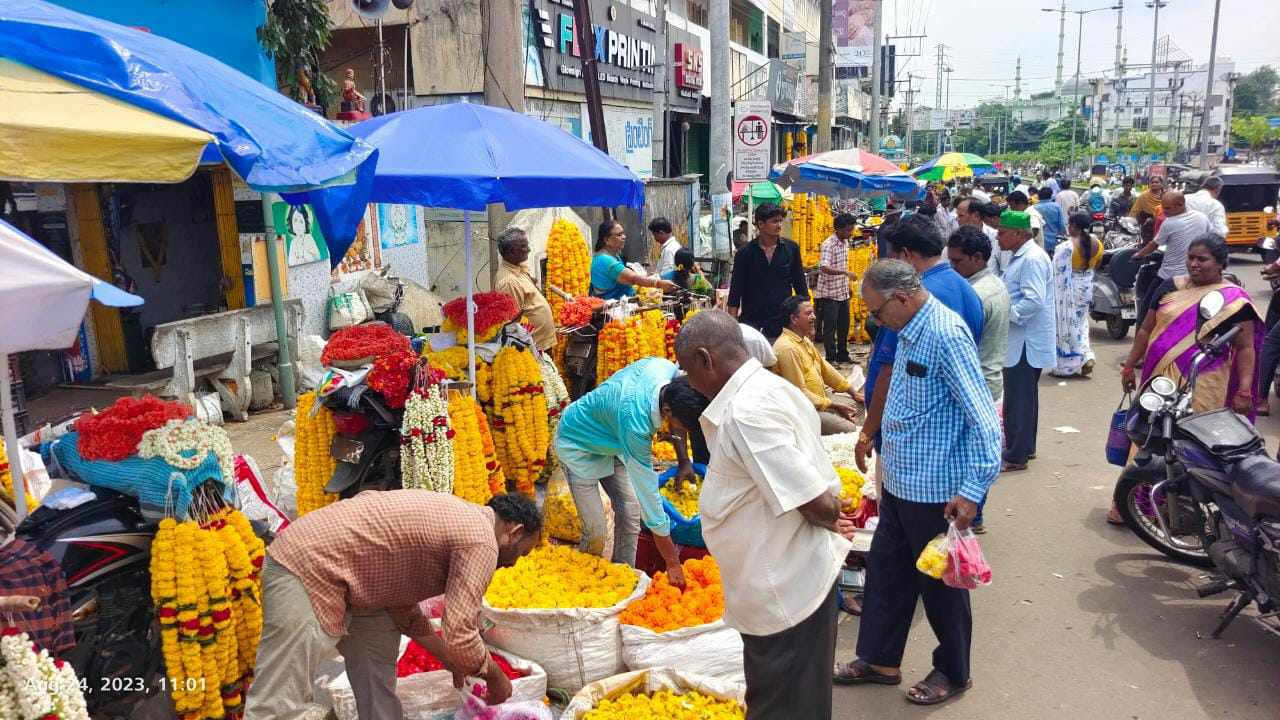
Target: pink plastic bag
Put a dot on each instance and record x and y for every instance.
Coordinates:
(966, 569)
(475, 708)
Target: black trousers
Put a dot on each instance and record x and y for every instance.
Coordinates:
(894, 585)
(833, 327)
(1021, 410)
(1270, 359)
(789, 674)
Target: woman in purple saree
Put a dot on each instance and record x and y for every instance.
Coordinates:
(1166, 342)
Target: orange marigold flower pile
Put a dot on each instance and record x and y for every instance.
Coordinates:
(665, 607)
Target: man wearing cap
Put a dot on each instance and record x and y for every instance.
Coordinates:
(1032, 335)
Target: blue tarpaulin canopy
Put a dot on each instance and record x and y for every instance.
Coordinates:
(465, 156)
(269, 140)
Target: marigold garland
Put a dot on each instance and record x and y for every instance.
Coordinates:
(522, 436)
(6, 481)
(622, 342)
(568, 263)
(860, 258)
(426, 441)
(390, 376)
(190, 591)
(362, 342)
(666, 607)
(669, 338)
(470, 477)
(313, 465)
(114, 433)
(557, 576)
(851, 482)
(492, 466)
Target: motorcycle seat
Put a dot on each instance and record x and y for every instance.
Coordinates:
(1123, 269)
(1257, 475)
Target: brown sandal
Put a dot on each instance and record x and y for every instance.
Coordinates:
(860, 672)
(935, 688)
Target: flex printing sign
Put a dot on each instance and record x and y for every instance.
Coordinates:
(688, 60)
(626, 44)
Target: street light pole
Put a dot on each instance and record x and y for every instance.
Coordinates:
(1208, 93)
(1151, 91)
(1075, 90)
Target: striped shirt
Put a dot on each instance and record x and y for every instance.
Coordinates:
(939, 432)
(391, 550)
(835, 254)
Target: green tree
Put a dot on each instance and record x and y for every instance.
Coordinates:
(1254, 131)
(1255, 93)
(296, 34)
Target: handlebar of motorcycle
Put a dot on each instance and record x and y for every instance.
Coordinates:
(1216, 344)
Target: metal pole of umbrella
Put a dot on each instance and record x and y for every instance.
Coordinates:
(285, 362)
(11, 440)
(471, 305)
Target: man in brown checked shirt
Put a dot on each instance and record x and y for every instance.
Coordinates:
(350, 576)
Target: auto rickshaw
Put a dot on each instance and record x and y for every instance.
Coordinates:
(993, 184)
(1249, 195)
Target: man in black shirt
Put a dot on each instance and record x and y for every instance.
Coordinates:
(766, 271)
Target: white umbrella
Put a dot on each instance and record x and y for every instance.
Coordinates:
(42, 303)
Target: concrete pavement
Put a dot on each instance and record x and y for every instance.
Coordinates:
(1083, 620)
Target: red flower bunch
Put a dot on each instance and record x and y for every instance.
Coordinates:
(390, 376)
(417, 659)
(362, 341)
(114, 433)
(492, 308)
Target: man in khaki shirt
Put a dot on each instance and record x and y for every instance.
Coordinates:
(514, 280)
(800, 363)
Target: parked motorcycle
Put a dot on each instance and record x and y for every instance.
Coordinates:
(1202, 489)
(1119, 232)
(1113, 290)
(366, 441)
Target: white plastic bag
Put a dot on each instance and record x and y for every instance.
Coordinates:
(431, 695)
(309, 371)
(713, 649)
(575, 646)
(650, 681)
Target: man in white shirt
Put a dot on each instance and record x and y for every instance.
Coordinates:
(758, 346)
(1205, 200)
(1181, 225)
(660, 228)
(1067, 198)
(771, 517)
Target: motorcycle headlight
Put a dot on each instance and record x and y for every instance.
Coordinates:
(1150, 401)
(1163, 387)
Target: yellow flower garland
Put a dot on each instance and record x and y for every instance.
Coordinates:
(560, 514)
(313, 466)
(190, 589)
(568, 263)
(860, 258)
(522, 438)
(492, 466)
(470, 479)
(217, 636)
(249, 598)
(164, 594)
(6, 480)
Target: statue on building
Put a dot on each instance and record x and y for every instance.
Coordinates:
(306, 93)
(352, 100)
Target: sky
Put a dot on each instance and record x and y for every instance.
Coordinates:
(984, 39)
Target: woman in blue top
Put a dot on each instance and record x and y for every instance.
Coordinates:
(604, 440)
(610, 278)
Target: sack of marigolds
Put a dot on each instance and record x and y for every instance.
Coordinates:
(658, 694)
(560, 515)
(559, 608)
(683, 628)
(426, 689)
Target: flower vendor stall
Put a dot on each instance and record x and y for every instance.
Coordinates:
(659, 693)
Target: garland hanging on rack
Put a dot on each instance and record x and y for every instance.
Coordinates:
(520, 412)
(426, 440)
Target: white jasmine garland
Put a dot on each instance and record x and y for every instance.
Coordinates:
(426, 445)
(33, 686)
(177, 437)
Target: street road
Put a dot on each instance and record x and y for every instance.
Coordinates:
(1083, 620)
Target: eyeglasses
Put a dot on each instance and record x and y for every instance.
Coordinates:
(876, 313)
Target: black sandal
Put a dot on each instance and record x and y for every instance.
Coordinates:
(935, 688)
(860, 672)
(851, 605)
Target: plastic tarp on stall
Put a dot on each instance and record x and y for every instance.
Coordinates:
(271, 141)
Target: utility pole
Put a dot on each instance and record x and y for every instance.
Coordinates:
(503, 85)
(1151, 91)
(948, 70)
(1017, 82)
(1075, 89)
(1062, 37)
(910, 122)
(826, 73)
(1115, 136)
(661, 73)
(877, 68)
(720, 152)
(1208, 93)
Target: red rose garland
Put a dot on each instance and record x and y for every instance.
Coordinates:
(114, 433)
(492, 308)
(363, 341)
(390, 376)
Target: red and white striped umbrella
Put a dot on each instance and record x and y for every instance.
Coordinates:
(845, 173)
(853, 159)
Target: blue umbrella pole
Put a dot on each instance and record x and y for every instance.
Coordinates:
(471, 303)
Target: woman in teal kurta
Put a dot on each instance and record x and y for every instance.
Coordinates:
(610, 277)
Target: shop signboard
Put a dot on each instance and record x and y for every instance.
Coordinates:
(688, 76)
(853, 23)
(784, 87)
(752, 131)
(626, 48)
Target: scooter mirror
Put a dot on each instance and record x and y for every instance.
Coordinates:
(1211, 304)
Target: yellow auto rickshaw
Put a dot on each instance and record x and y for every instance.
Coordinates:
(1249, 196)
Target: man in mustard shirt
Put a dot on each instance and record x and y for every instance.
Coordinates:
(800, 363)
(513, 279)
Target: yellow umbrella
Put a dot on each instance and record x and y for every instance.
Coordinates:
(55, 131)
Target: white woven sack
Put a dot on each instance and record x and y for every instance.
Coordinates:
(650, 681)
(713, 649)
(575, 646)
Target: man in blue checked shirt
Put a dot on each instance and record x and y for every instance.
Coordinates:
(940, 452)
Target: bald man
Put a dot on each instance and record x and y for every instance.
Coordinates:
(1181, 225)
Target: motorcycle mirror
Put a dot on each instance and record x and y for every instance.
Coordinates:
(1211, 304)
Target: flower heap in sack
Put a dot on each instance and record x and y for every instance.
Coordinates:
(665, 705)
(568, 263)
(34, 685)
(206, 587)
(560, 515)
(362, 344)
(520, 420)
(556, 576)
(313, 464)
(666, 607)
(470, 474)
(426, 439)
(493, 310)
(114, 433)
(417, 659)
(685, 500)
